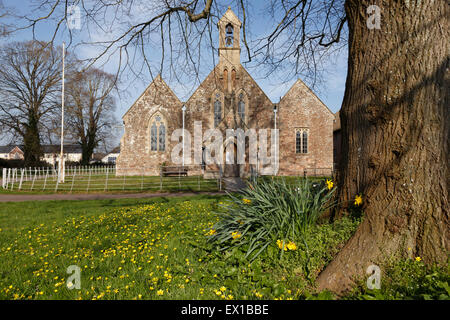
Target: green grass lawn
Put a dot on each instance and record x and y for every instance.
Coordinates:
(149, 249)
(101, 183)
(132, 249)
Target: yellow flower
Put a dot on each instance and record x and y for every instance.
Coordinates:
(292, 246)
(287, 245)
(280, 245)
(329, 184)
(418, 259)
(160, 292)
(223, 289)
(246, 201)
(358, 200)
(235, 235)
(211, 232)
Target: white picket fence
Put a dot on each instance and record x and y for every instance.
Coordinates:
(105, 178)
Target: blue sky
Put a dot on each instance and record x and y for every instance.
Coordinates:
(330, 91)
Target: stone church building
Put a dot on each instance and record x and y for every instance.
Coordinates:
(228, 98)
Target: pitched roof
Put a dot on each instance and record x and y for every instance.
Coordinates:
(9, 148)
(115, 150)
(158, 78)
(230, 16)
(98, 156)
(299, 82)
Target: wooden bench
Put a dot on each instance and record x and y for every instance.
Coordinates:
(174, 171)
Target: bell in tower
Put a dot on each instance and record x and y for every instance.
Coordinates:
(229, 35)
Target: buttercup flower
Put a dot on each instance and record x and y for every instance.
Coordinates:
(235, 235)
(287, 245)
(292, 246)
(280, 245)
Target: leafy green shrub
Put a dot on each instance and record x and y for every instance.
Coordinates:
(270, 211)
(408, 280)
(322, 244)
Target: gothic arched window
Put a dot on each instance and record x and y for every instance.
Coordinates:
(241, 107)
(217, 112)
(233, 79)
(157, 134)
(225, 79)
(301, 140)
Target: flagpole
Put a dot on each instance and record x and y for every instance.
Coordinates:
(61, 159)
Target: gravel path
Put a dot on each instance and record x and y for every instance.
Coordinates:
(46, 197)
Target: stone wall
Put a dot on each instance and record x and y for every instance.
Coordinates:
(135, 155)
(299, 108)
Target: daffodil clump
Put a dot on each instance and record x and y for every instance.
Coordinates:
(270, 209)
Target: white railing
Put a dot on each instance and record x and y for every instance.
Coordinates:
(108, 178)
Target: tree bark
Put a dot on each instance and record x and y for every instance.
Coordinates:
(32, 142)
(88, 145)
(395, 147)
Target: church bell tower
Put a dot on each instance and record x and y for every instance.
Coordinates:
(229, 39)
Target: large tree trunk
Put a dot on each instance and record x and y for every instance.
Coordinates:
(32, 142)
(87, 148)
(395, 125)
